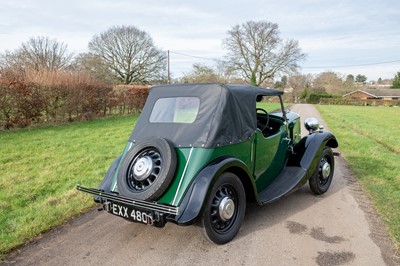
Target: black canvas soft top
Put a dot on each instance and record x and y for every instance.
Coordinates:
(226, 115)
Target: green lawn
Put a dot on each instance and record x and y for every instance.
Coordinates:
(39, 169)
(369, 138)
(269, 107)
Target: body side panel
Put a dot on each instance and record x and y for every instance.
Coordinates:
(190, 162)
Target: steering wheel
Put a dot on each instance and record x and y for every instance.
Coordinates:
(266, 114)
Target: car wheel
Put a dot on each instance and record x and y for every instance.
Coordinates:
(323, 174)
(147, 169)
(224, 210)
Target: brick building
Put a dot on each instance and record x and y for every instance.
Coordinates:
(374, 94)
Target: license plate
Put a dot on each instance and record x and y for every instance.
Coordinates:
(129, 213)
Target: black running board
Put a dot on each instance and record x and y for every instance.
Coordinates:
(289, 180)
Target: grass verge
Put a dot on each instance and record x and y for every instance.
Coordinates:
(39, 169)
(369, 138)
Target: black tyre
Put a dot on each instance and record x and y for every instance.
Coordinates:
(225, 208)
(147, 169)
(323, 174)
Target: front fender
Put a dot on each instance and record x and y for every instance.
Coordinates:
(314, 145)
(195, 198)
(309, 149)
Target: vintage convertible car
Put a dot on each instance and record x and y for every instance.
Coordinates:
(199, 152)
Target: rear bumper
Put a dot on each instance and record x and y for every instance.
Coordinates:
(160, 212)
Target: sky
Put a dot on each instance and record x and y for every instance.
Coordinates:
(347, 37)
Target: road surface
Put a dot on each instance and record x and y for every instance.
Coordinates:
(338, 228)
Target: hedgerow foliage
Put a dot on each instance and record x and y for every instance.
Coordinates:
(43, 97)
(359, 102)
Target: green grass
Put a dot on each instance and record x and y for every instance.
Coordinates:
(369, 137)
(269, 107)
(39, 169)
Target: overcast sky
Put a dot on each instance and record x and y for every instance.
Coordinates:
(358, 34)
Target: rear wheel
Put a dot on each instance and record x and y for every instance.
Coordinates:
(225, 208)
(323, 174)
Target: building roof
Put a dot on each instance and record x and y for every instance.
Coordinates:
(378, 93)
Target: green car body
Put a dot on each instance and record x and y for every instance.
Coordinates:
(220, 151)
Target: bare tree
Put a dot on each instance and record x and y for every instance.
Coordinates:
(226, 73)
(129, 54)
(201, 73)
(221, 72)
(38, 53)
(329, 82)
(257, 51)
(95, 66)
(298, 84)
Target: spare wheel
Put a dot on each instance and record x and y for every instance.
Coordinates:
(147, 169)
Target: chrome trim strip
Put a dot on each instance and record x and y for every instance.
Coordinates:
(183, 175)
(115, 185)
(152, 206)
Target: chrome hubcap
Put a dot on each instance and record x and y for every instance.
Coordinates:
(226, 209)
(143, 168)
(325, 170)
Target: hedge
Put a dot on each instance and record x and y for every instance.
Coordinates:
(356, 102)
(54, 97)
(316, 97)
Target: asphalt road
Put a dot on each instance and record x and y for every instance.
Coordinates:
(338, 228)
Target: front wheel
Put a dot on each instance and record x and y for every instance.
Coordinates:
(322, 177)
(225, 208)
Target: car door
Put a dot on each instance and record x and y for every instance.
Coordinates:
(271, 151)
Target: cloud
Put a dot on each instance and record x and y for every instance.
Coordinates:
(331, 32)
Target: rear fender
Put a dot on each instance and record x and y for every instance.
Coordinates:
(106, 184)
(195, 198)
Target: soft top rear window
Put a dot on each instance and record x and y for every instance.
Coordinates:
(175, 110)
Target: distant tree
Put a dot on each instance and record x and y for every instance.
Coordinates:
(255, 49)
(95, 66)
(348, 85)
(379, 81)
(284, 81)
(278, 85)
(253, 80)
(38, 53)
(300, 85)
(221, 72)
(350, 78)
(226, 73)
(329, 82)
(361, 78)
(396, 81)
(201, 73)
(129, 54)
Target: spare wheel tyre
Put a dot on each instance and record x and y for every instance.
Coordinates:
(147, 169)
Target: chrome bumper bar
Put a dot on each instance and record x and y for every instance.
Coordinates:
(152, 206)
